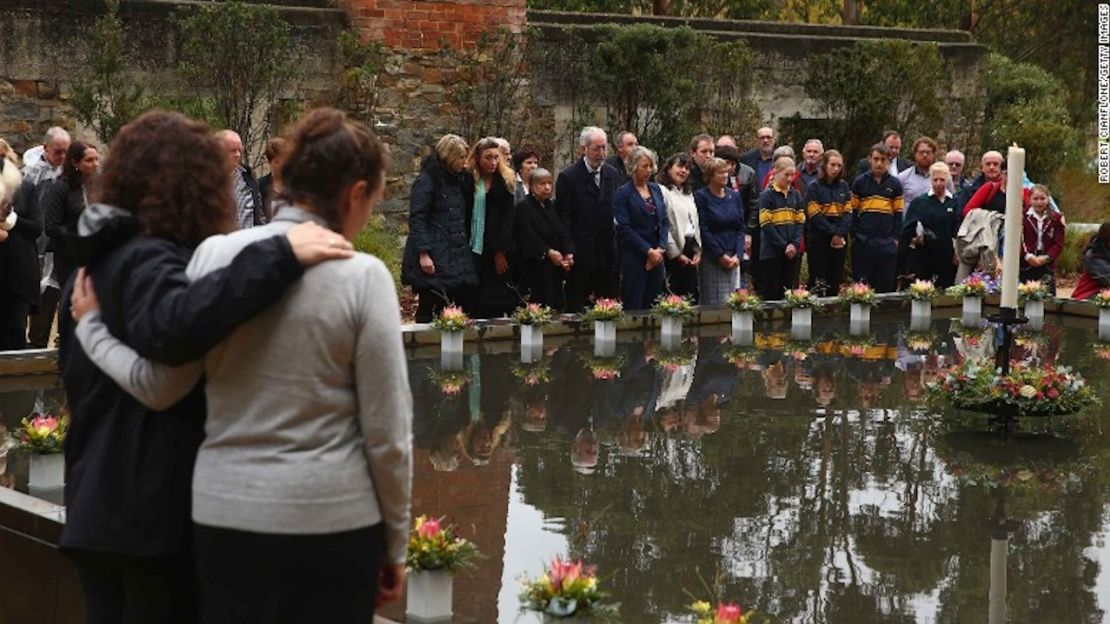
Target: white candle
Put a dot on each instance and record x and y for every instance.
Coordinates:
(1011, 255)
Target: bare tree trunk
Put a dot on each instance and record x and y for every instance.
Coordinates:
(849, 16)
(660, 7)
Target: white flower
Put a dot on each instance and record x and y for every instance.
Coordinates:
(1028, 391)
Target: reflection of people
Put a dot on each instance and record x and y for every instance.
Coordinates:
(632, 436)
(774, 379)
(585, 451)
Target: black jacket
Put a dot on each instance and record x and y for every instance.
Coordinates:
(128, 468)
(61, 208)
(439, 225)
(19, 261)
(586, 211)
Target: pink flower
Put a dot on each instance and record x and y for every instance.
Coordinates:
(728, 612)
(564, 572)
(429, 529)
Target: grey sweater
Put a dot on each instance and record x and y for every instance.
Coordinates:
(309, 425)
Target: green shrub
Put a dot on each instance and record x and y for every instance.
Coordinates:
(1071, 259)
(1081, 198)
(377, 239)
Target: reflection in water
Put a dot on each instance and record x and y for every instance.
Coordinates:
(809, 472)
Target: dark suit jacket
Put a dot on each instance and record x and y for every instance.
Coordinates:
(19, 260)
(865, 165)
(616, 163)
(639, 229)
(587, 212)
(751, 158)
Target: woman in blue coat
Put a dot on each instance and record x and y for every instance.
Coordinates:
(642, 230)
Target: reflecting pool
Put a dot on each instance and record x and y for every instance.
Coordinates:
(806, 479)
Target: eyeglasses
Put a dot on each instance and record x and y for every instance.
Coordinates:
(955, 164)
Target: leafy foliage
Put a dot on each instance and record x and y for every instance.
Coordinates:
(106, 96)
(1024, 104)
(363, 62)
(241, 56)
(488, 86)
(875, 85)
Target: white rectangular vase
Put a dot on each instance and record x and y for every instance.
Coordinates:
(1104, 324)
(428, 596)
(671, 328)
(801, 317)
(531, 338)
(47, 471)
(605, 331)
(742, 322)
(921, 315)
(451, 341)
(973, 306)
(860, 314)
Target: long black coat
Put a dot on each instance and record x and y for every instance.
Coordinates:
(19, 262)
(439, 225)
(496, 296)
(62, 206)
(539, 229)
(587, 212)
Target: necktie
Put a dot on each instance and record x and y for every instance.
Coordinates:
(597, 177)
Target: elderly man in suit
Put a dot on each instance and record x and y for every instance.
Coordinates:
(892, 139)
(584, 199)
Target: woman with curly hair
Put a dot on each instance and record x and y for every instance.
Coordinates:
(129, 461)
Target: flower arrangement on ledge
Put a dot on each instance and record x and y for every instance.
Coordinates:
(42, 434)
(725, 613)
(1032, 290)
(534, 314)
(566, 589)
(604, 310)
(1102, 298)
(744, 300)
(975, 285)
(858, 293)
(922, 290)
(673, 306)
(451, 319)
(1029, 390)
(799, 298)
(435, 546)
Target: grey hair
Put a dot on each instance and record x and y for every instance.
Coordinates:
(634, 157)
(782, 150)
(503, 144)
(56, 133)
(962, 156)
(588, 133)
(817, 141)
(539, 173)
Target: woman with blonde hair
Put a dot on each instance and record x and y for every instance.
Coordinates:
(782, 219)
(491, 230)
(437, 261)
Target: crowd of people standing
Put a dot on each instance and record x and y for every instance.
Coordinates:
(489, 230)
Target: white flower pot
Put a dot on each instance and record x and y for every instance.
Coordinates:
(428, 596)
(860, 313)
(1034, 311)
(1104, 324)
(605, 331)
(451, 341)
(742, 322)
(47, 471)
(801, 323)
(531, 338)
(451, 360)
(671, 328)
(973, 306)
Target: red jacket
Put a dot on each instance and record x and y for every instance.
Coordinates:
(982, 197)
(1052, 238)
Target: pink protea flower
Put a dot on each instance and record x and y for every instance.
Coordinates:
(728, 612)
(428, 529)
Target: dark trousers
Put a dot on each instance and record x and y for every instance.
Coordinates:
(43, 320)
(429, 303)
(122, 589)
(1041, 273)
(543, 283)
(927, 264)
(778, 275)
(751, 267)
(682, 280)
(13, 324)
(256, 578)
(640, 288)
(875, 266)
(826, 267)
(584, 285)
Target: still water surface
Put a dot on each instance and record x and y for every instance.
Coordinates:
(803, 479)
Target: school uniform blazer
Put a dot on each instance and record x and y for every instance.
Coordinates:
(639, 229)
